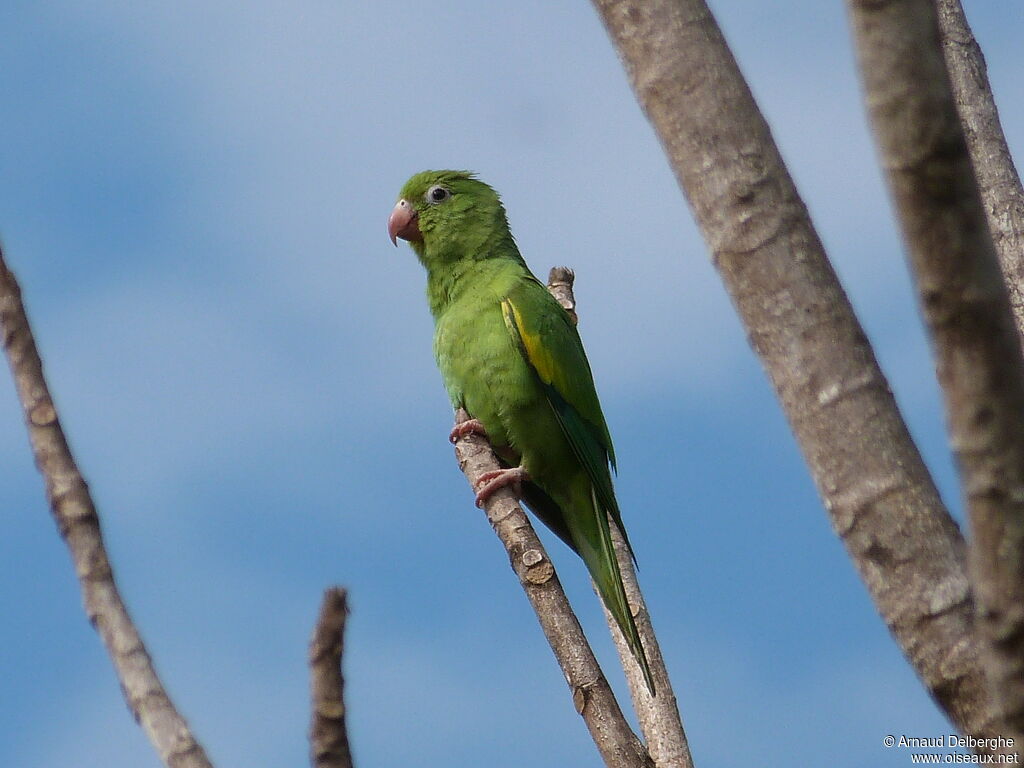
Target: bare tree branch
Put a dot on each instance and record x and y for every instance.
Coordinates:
(591, 694)
(966, 307)
(876, 488)
(998, 181)
(328, 736)
(79, 524)
(659, 717)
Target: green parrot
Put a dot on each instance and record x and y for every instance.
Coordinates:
(510, 355)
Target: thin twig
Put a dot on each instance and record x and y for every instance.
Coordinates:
(966, 308)
(328, 736)
(79, 525)
(660, 723)
(998, 180)
(879, 494)
(591, 694)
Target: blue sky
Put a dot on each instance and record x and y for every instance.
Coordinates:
(194, 200)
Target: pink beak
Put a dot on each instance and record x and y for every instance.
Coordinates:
(403, 223)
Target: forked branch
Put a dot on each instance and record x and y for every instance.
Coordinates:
(867, 469)
(591, 694)
(966, 308)
(659, 718)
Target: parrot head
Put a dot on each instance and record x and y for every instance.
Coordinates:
(446, 213)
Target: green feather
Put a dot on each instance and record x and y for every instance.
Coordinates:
(509, 354)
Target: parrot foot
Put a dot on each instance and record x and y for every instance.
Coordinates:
(492, 482)
(470, 427)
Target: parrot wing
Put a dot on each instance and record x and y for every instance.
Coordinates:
(551, 346)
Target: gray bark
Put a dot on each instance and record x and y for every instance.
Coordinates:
(998, 180)
(966, 308)
(591, 694)
(870, 475)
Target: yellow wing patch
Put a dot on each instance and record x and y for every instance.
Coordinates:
(529, 343)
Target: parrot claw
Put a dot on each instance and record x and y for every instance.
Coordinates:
(490, 483)
(469, 427)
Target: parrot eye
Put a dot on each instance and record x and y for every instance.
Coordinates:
(437, 194)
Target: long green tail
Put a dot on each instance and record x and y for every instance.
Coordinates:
(595, 547)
